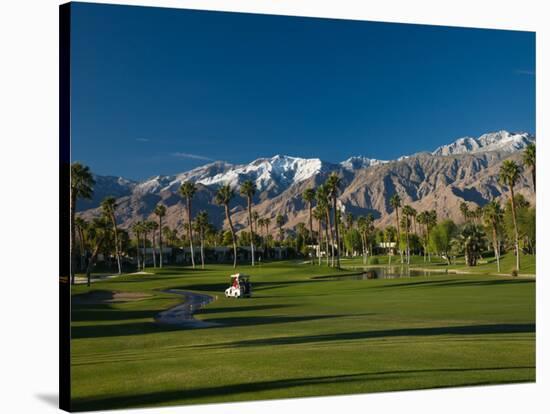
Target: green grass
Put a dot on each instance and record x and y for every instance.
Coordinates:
(486, 266)
(300, 337)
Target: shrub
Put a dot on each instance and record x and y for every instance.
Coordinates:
(374, 261)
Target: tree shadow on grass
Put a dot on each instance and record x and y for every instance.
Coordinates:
(164, 397)
(455, 283)
(389, 333)
(210, 310)
(148, 327)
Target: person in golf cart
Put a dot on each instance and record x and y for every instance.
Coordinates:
(239, 287)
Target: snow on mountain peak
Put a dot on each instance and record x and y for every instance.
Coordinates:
(358, 162)
(493, 141)
(280, 169)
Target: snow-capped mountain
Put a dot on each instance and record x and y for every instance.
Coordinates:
(356, 163)
(440, 180)
(280, 169)
(494, 141)
(272, 174)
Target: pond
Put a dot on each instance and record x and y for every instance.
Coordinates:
(385, 272)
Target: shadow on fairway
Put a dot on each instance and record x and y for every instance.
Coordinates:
(455, 283)
(140, 328)
(124, 401)
(209, 310)
(389, 333)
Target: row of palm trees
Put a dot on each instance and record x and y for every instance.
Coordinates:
(509, 174)
(325, 212)
(326, 196)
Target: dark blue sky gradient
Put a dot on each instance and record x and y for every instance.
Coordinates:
(155, 89)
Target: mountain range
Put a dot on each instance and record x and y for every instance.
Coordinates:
(464, 170)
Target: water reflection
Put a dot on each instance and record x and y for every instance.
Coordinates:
(387, 272)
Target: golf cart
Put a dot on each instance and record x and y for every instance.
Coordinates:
(240, 287)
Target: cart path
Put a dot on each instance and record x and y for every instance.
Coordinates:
(182, 314)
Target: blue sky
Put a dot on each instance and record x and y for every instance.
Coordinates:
(161, 91)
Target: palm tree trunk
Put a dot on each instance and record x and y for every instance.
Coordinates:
(91, 262)
(154, 249)
(228, 216)
(398, 233)
(251, 228)
(190, 232)
(144, 247)
(265, 242)
(428, 243)
(160, 241)
(71, 247)
(495, 247)
(319, 240)
(516, 236)
(330, 238)
(364, 248)
(82, 249)
(408, 248)
(202, 248)
(137, 251)
(266, 254)
(327, 240)
(117, 247)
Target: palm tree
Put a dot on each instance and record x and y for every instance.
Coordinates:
(492, 214)
(137, 229)
(160, 211)
(153, 227)
(187, 191)
(472, 240)
(261, 223)
(248, 189)
(390, 234)
(82, 183)
(323, 204)
(319, 215)
(170, 236)
(530, 160)
(362, 227)
(201, 222)
(349, 226)
(407, 213)
(431, 221)
(81, 225)
(280, 221)
(395, 202)
(413, 214)
(465, 210)
(422, 219)
(509, 175)
(369, 228)
(99, 230)
(255, 217)
(144, 232)
(223, 197)
(267, 222)
(108, 205)
(308, 196)
(333, 184)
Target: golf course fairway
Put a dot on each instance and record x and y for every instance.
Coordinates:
(296, 336)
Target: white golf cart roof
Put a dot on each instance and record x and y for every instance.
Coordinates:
(239, 275)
